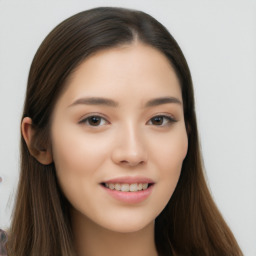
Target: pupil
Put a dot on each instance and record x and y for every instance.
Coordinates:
(158, 120)
(94, 120)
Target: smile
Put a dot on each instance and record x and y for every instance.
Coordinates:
(129, 190)
(134, 187)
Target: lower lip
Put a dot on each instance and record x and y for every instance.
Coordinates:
(130, 197)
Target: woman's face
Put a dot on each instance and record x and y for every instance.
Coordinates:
(118, 128)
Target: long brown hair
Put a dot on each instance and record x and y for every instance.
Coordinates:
(190, 224)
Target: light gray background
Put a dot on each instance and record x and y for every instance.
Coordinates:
(218, 39)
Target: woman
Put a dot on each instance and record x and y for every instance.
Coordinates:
(110, 155)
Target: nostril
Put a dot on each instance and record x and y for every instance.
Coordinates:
(132, 163)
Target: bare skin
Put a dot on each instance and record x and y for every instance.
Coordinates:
(121, 116)
(99, 241)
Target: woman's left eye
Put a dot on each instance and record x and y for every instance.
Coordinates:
(94, 121)
(161, 120)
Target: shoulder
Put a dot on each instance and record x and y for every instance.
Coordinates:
(3, 240)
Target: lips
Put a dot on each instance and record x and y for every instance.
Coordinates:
(129, 189)
(130, 180)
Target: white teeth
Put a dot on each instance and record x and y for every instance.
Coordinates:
(144, 186)
(140, 186)
(134, 187)
(111, 186)
(125, 187)
(117, 186)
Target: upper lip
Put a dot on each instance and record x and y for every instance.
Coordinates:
(129, 180)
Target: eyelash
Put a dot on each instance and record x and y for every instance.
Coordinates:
(168, 120)
(86, 120)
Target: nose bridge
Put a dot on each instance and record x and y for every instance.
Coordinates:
(133, 137)
(131, 148)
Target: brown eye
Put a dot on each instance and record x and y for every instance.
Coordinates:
(161, 120)
(158, 120)
(94, 121)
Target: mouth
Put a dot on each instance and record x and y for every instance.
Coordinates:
(127, 187)
(129, 190)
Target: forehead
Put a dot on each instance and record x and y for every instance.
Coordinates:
(136, 70)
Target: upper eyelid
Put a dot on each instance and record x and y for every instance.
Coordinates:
(104, 116)
(165, 115)
(169, 117)
(91, 115)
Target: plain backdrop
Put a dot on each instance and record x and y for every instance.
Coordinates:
(218, 39)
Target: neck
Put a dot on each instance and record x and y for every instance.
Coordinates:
(92, 239)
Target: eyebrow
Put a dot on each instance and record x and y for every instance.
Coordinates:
(163, 100)
(112, 103)
(95, 101)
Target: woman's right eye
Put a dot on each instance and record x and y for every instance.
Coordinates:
(94, 121)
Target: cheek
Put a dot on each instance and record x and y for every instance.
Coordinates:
(170, 150)
(169, 156)
(77, 151)
(77, 157)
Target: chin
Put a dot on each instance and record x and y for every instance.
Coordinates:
(128, 226)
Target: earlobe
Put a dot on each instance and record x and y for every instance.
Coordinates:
(43, 155)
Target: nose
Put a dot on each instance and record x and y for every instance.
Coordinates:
(129, 149)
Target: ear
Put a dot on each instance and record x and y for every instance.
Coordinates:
(43, 155)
